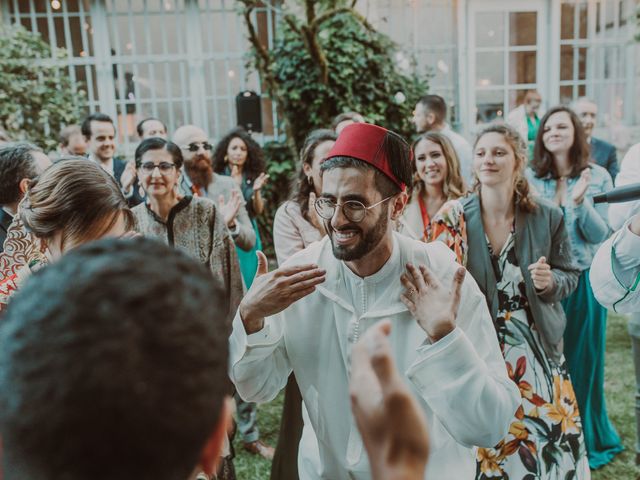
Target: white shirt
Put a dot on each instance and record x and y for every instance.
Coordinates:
(615, 272)
(629, 173)
(463, 150)
(460, 381)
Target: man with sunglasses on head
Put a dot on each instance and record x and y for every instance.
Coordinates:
(306, 317)
(199, 179)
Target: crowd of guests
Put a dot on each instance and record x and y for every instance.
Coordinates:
(150, 271)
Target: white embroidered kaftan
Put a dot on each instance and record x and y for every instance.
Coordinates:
(460, 381)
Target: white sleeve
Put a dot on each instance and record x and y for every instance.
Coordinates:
(463, 377)
(258, 363)
(615, 272)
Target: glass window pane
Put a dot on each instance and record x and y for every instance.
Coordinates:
(522, 67)
(490, 29)
(489, 105)
(489, 69)
(567, 12)
(581, 74)
(566, 94)
(566, 62)
(582, 20)
(523, 28)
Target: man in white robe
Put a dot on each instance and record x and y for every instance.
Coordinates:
(307, 316)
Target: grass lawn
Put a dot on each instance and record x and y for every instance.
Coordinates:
(619, 384)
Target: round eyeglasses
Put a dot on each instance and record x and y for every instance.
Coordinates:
(353, 210)
(164, 167)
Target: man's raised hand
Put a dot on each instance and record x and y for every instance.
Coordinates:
(433, 305)
(272, 292)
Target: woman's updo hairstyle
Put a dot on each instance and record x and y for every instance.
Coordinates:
(75, 196)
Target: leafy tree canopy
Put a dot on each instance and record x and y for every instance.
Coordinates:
(36, 98)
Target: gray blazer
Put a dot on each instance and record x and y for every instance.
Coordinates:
(244, 236)
(538, 234)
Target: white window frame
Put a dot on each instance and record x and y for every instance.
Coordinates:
(466, 38)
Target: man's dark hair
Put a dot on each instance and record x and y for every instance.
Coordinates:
(397, 150)
(113, 364)
(16, 163)
(94, 117)
(436, 105)
(157, 143)
(140, 126)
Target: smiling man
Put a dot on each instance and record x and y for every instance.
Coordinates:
(100, 133)
(306, 317)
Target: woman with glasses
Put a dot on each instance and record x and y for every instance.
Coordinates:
(296, 226)
(561, 172)
(519, 254)
(192, 224)
(433, 204)
(239, 156)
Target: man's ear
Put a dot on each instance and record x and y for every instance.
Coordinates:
(24, 185)
(398, 204)
(212, 450)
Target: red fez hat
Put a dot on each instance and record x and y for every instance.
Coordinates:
(364, 141)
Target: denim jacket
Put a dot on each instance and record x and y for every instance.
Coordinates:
(587, 224)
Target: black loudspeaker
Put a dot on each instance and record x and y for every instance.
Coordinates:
(249, 110)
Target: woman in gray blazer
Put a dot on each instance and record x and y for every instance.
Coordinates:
(519, 253)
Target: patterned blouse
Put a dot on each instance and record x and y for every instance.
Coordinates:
(195, 226)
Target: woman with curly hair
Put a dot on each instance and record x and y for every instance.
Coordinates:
(438, 185)
(562, 173)
(239, 156)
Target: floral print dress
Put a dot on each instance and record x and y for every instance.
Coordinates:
(545, 437)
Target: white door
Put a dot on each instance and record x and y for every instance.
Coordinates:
(507, 56)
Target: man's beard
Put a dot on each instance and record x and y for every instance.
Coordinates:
(369, 240)
(200, 171)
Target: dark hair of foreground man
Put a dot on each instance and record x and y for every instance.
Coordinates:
(112, 366)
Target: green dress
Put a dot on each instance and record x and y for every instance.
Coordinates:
(584, 347)
(247, 258)
(532, 130)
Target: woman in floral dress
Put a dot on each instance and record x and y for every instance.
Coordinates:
(433, 204)
(519, 253)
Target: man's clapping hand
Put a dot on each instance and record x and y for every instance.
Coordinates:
(433, 305)
(272, 292)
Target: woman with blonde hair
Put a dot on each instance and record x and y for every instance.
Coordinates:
(438, 184)
(73, 202)
(520, 255)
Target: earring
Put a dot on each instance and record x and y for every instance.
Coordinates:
(226, 159)
(309, 180)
